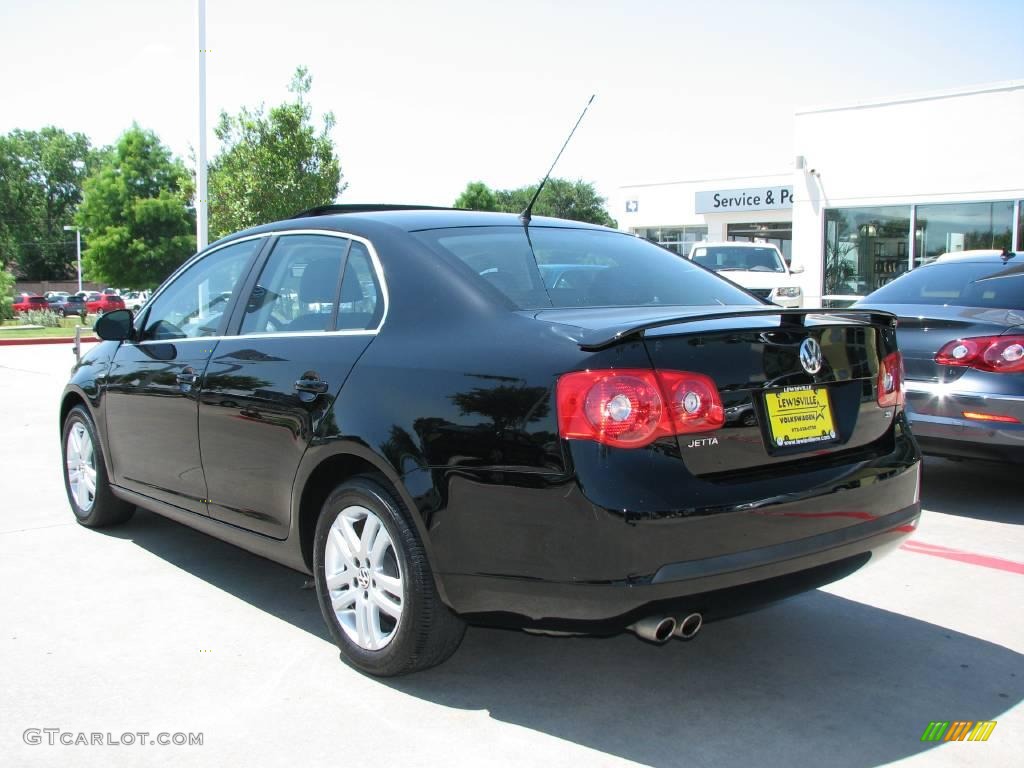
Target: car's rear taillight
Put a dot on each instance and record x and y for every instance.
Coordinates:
(694, 402)
(999, 418)
(890, 380)
(1001, 354)
(630, 408)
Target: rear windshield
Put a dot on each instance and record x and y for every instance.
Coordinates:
(995, 286)
(579, 268)
(725, 258)
(36, 300)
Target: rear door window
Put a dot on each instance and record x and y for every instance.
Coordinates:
(298, 287)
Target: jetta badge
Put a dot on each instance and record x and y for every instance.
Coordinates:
(810, 355)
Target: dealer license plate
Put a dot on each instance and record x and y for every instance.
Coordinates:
(800, 416)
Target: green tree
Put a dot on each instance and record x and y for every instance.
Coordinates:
(41, 175)
(477, 196)
(272, 164)
(564, 199)
(6, 295)
(135, 213)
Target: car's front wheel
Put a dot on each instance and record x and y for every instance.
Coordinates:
(375, 586)
(85, 474)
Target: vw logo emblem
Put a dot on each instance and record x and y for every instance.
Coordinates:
(810, 355)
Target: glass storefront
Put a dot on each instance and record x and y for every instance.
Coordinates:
(678, 239)
(952, 227)
(1020, 225)
(865, 248)
(778, 233)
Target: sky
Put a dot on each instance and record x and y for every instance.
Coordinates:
(430, 96)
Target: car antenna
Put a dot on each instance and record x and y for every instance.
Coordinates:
(526, 215)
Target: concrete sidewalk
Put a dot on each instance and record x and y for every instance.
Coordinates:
(155, 627)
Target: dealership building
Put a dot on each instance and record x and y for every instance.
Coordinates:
(875, 189)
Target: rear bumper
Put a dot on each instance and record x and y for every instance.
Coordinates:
(565, 563)
(936, 417)
(716, 587)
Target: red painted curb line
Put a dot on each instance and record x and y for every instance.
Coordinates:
(971, 558)
(58, 340)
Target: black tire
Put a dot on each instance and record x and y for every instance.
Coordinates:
(106, 508)
(428, 632)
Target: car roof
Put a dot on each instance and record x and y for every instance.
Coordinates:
(732, 244)
(405, 218)
(978, 255)
(413, 220)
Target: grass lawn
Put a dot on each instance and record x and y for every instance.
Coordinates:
(10, 330)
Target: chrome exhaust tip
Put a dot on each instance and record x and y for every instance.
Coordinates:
(688, 627)
(657, 629)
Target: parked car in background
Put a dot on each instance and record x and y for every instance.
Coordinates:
(104, 302)
(980, 253)
(134, 300)
(427, 411)
(29, 302)
(68, 305)
(961, 332)
(758, 267)
(54, 294)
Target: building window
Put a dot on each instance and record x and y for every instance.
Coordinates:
(678, 239)
(1020, 225)
(778, 233)
(952, 227)
(865, 248)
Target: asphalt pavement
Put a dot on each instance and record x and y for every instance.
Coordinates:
(154, 628)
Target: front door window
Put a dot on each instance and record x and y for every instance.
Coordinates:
(196, 303)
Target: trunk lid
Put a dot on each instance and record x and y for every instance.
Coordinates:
(923, 329)
(777, 410)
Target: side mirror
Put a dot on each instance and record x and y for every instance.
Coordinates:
(115, 325)
(797, 269)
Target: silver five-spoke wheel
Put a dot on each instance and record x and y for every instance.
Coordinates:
(364, 578)
(81, 466)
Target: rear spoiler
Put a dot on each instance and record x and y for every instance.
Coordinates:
(601, 338)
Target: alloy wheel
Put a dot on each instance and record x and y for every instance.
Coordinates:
(80, 460)
(364, 578)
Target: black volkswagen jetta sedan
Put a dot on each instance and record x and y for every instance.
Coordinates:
(412, 406)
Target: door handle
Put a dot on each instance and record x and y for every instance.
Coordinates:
(313, 386)
(187, 378)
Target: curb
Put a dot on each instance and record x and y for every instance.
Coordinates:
(58, 340)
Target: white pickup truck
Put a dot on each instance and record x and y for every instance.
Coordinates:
(758, 267)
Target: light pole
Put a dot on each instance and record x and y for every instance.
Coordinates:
(201, 203)
(78, 248)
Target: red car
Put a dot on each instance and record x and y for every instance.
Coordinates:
(26, 301)
(104, 303)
